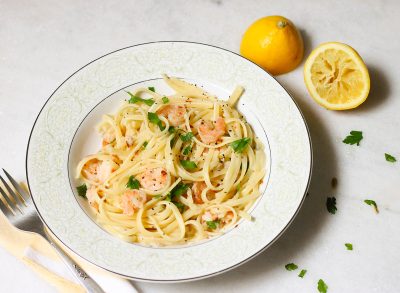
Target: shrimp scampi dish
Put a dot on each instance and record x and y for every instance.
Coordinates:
(173, 169)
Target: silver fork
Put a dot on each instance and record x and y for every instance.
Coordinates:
(20, 211)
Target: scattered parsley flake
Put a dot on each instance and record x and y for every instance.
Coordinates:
(82, 189)
(133, 183)
(240, 144)
(135, 99)
(302, 273)
(331, 205)
(157, 196)
(390, 158)
(153, 118)
(188, 165)
(165, 100)
(291, 267)
(371, 202)
(171, 129)
(187, 137)
(238, 187)
(151, 88)
(187, 150)
(145, 144)
(213, 224)
(178, 190)
(354, 138)
(322, 287)
(349, 246)
(179, 205)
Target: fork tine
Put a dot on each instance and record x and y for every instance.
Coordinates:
(11, 194)
(23, 195)
(7, 204)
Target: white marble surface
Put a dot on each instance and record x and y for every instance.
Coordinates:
(43, 42)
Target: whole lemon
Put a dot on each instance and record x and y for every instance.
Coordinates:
(274, 43)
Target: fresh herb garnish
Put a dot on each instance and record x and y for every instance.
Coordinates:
(82, 190)
(322, 287)
(178, 190)
(302, 273)
(240, 144)
(238, 187)
(291, 267)
(390, 158)
(331, 205)
(151, 88)
(133, 183)
(171, 129)
(153, 118)
(349, 246)
(135, 99)
(179, 205)
(187, 137)
(165, 100)
(157, 196)
(187, 150)
(188, 165)
(354, 138)
(371, 202)
(144, 145)
(213, 224)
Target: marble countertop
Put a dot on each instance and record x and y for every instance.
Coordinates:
(43, 42)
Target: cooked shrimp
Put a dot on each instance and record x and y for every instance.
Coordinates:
(223, 218)
(174, 114)
(211, 132)
(98, 171)
(153, 179)
(132, 200)
(208, 216)
(129, 136)
(92, 197)
(197, 189)
(108, 137)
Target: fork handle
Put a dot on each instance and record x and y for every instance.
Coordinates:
(90, 285)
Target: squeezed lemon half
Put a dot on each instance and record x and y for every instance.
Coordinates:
(336, 76)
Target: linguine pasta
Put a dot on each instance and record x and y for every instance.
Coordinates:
(173, 169)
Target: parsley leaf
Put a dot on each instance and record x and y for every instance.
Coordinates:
(354, 138)
(187, 137)
(144, 145)
(331, 205)
(291, 267)
(213, 224)
(151, 88)
(371, 202)
(165, 100)
(349, 246)
(390, 158)
(153, 118)
(322, 287)
(238, 187)
(133, 183)
(157, 196)
(82, 190)
(302, 273)
(178, 190)
(187, 150)
(171, 129)
(188, 165)
(179, 205)
(240, 144)
(135, 99)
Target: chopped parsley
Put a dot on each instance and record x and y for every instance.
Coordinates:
(153, 118)
(179, 205)
(291, 267)
(349, 246)
(187, 150)
(354, 138)
(240, 144)
(82, 190)
(133, 183)
(302, 273)
(157, 196)
(171, 129)
(331, 205)
(390, 158)
(188, 165)
(178, 190)
(151, 88)
(165, 100)
(145, 144)
(135, 99)
(322, 287)
(238, 187)
(187, 137)
(371, 202)
(213, 224)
